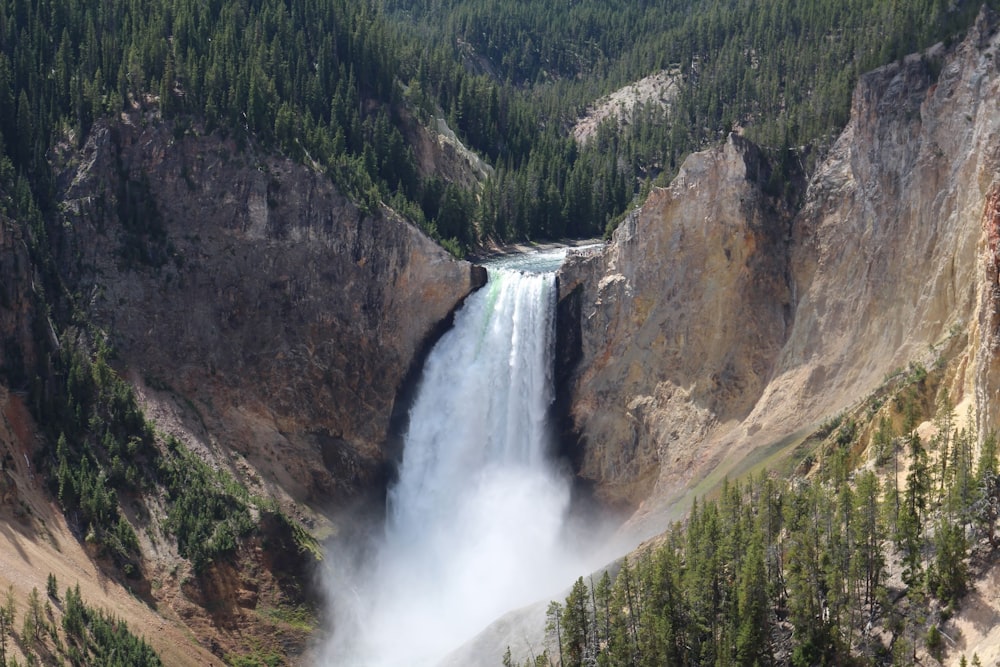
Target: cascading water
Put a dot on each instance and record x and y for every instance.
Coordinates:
(475, 522)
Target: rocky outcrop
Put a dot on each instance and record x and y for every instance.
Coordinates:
(440, 154)
(681, 318)
(888, 254)
(711, 329)
(263, 317)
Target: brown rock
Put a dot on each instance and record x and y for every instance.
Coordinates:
(256, 308)
(18, 348)
(681, 318)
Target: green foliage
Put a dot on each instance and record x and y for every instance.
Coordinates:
(52, 587)
(934, 642)
(8, 616)
(883, 443)
(34, 625)
(784, 72)
(808, 552)
(256, 660)
(847, 432)
(948, 578)
(113, 451)
(110, 447)
(811, 555)
(94, 637)
(208, 510)
(575, 625)
(301, 617)
(917, 372)
(341, 84)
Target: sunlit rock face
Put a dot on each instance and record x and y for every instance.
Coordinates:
(713, 326)
(680, 320)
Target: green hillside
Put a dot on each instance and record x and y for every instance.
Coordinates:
(334, 82)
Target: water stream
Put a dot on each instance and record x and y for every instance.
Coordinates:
(474, 525)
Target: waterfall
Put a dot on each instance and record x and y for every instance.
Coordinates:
(474, 524)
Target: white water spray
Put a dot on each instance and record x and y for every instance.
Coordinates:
(475, 522)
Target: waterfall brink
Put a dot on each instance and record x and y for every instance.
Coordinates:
(474, 526)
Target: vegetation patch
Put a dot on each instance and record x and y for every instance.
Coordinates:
(89, 636)
(207, 510)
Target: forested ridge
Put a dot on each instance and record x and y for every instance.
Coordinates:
(859, 556)
(337, 84)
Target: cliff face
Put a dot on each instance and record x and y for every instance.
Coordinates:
(261, 318)
(680, 320)
(890, 260)
(710, 330)
(257, 310)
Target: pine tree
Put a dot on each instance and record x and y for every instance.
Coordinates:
(753, 641)
(553, 626)
(868, 561)
(602, 608)
(34, 618)
(950, 571)
(8, 616)
(51, 587)
(575, 625)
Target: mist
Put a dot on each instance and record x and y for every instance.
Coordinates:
(477, 523)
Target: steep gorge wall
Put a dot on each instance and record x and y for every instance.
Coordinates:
(18, 347)
(257, 310)
(262, 318)
(680, 320)
(710, 328)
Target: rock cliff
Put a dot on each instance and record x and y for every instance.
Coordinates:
(18, 347)
(680, 318)
(261, 317)
(713, 327)
(264, 319)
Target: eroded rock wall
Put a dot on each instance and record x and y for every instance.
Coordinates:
(681, 318)
(262, 316)
(888, 255)
(18, 317)
(710, 330)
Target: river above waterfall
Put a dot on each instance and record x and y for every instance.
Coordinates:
(542, 260)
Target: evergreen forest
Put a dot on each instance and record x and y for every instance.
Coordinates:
(342, 84)
(858, 556)
(83, 636)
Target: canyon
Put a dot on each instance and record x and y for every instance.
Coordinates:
(277, 330)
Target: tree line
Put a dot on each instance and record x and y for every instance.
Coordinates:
(339, 84)
(88, 636)
(854, 564)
